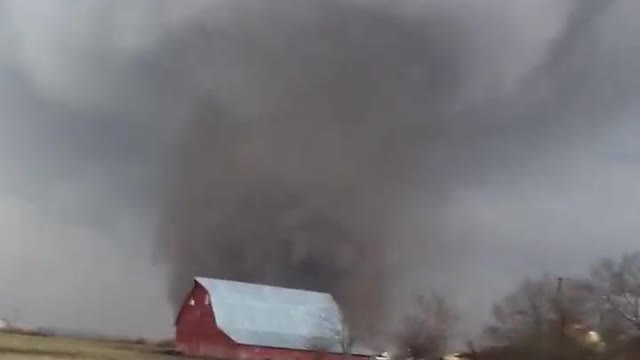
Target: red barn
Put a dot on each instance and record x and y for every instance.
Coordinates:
(238, 321)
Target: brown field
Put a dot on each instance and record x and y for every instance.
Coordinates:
(16, 346)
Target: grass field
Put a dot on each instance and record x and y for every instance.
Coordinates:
(32, 347)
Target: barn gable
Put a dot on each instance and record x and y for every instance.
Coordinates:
(276, 317)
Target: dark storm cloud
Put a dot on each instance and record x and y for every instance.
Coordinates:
(348, 134)
(426, 144)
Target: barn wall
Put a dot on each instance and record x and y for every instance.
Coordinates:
(197, 335)
(246, 352)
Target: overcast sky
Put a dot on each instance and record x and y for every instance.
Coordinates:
(93, 103)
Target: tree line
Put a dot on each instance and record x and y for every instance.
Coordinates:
(595, 316)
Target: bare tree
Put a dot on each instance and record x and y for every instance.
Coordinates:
(346, 336)
(523, 314)
(342, 334)
(427, 331)
(545, 317)
(619, 282)
(338, 335)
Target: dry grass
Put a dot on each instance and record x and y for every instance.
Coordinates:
(32, 347)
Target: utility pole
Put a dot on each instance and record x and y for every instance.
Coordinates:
(558, 352)
(561, 308)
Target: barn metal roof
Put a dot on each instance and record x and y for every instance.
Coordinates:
(271, 316)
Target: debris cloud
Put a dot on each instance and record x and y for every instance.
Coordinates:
(328, 119)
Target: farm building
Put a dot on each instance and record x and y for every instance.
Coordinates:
(238, 321)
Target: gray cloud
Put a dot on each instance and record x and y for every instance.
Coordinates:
(522, 151)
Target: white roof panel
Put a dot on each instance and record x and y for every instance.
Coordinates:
(271, 316)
